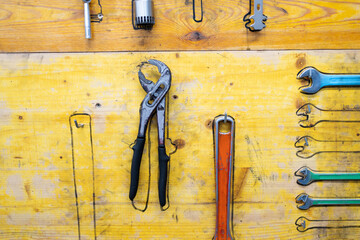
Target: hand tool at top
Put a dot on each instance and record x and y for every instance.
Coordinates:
(255, 18)
(307, 176)
(303, 224)
(224, 152)
(309, 146)
(306, 202)
(88, 18)
(142, 14)
(154, 100)
(312, 115)
(318, 80)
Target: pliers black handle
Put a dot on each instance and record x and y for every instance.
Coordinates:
(154, 100)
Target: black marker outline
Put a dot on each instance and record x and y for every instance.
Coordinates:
(302, 148)
(93, 170)
(320, 121)
(323, 227)
(194, 12)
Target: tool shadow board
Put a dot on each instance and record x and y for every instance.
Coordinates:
(308, 24)
(45, 158)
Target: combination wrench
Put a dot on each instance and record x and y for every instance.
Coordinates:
(307, 176)
(310, 115)
(318, 80)
(305, 202)
(309, 146)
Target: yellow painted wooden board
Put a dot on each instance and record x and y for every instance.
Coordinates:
(39, 92)
(45, 26)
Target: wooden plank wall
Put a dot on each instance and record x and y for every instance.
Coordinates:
(49, 72)
(259, 89)
(45, 26)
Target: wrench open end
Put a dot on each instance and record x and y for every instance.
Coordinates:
(301, 224)
(305, 148)
(305, 176)
(308, 115)
(302, 142)
(304, 110)
(303, 114)
(305, 202)
(312, 75)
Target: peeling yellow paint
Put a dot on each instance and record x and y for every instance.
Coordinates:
(259, 89)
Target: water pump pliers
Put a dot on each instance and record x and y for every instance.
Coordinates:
(154, 100)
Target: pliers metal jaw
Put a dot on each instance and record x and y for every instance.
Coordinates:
(154, 100)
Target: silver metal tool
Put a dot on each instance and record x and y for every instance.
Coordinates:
(255, 19)
(307, 176)
(306, 202)
(154, 101)
(143, 14)
(303, 224)
(318, 80)
(87, 19)
(312, 115)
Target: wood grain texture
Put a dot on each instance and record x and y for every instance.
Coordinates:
(259, 89)
(43, 26)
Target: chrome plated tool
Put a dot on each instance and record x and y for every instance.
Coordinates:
(223, 127)
(153, 101)
(307, 176)
(306, 202)
(255, 19)
(310, 115)
(143, 17)
(88, 18)
(318, 80)
(309, 146)
(303, 224)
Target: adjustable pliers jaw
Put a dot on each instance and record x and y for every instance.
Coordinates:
(156, 93)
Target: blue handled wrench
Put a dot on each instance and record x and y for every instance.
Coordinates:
(307, 202)
(307, 176)
(318, 80)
